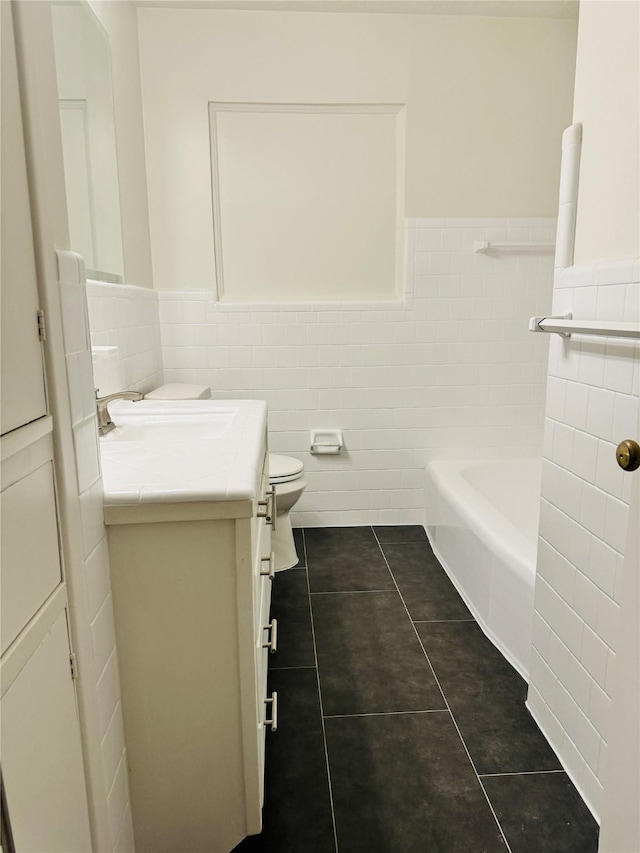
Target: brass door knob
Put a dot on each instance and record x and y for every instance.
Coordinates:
(628, 455)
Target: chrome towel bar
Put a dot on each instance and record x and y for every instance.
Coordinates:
(565, 325)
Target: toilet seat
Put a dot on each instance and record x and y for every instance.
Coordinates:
(284, 469)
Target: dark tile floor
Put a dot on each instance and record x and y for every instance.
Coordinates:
(401, 728)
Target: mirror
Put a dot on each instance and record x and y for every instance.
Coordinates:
(83, 69)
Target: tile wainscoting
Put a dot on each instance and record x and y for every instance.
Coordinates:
(448, 369)
(592, 404)
(103, 680)
(125, 317)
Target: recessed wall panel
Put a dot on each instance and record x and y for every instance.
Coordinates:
(306, 201)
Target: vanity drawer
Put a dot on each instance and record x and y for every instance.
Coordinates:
(268, 634)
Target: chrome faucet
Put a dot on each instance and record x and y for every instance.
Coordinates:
(105, 424)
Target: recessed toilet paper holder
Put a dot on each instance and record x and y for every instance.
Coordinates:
(326, 441)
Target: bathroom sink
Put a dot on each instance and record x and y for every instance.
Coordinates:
(162, 428)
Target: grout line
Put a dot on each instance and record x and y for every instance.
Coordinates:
(324, 733)
(522, 773)
(386, 714)
(453, 719)
(429, 621)
(351, 591)
(280, 668)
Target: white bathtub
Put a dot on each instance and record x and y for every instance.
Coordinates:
(482, 522)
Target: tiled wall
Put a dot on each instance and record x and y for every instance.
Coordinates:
(104, 678)
(592, 404)
(125, 318)
(448, 370)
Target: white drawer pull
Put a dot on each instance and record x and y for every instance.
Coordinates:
(267, 509)
(272, 645)
(273, 722)
(271, 571)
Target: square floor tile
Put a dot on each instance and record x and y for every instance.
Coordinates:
(290, 606)
(345, 558)
(369, 657)
(486, 696)
(542, 812)
(402, 783)
(423, 583)
(297, 809)
(401, 533)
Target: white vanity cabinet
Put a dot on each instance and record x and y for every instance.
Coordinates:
(191, 598)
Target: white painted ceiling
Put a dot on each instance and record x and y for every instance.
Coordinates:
(492, 8)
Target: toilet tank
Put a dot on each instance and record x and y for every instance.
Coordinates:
(179, 391)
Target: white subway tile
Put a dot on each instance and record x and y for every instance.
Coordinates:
(602, 566)
(593, 655)
(566, 710)
(543, 678)
(585, 456)
(578, 545)
(609, 475)
(85, 440)
(625, 417)
(587, 739)
(118, 799)
(599, 709)
(576, 405)
(108, 691)
(556, 570)
(103, 635)
(97, 576)
(618, 366)
(591, 787)
(593, 507)
(577, 681)
(112, 747)
(615, 528)
(125, 841)
(586, 599)
(600, 413)
(608, 620)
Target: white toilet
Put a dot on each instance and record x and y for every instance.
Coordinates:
(286, 476)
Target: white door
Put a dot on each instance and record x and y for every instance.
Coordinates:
(41, 754)
(620, 824)
(23, 396)
(40, 744)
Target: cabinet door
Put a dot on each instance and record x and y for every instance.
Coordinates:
(41, 755)
(29, 565)
(23, 394)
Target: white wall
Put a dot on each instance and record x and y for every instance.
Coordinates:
(451, 369)
(120, 22)
(487, 100)
(104, 677)
(592, 404)
(607, 103)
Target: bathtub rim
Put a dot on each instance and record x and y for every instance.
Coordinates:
(514, 545)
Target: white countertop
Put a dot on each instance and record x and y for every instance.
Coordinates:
(175, 469)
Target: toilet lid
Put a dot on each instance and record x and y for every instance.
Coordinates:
(284, 468)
